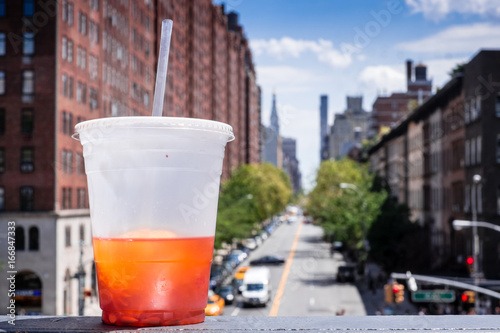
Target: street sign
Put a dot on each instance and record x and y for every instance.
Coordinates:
(433, 296)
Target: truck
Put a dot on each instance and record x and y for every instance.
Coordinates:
(256, 289)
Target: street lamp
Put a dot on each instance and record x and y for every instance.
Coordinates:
(357, 190)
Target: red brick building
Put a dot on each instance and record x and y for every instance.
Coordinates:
(389, 110)
(66, 61)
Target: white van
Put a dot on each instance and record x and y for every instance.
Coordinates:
(256, 286)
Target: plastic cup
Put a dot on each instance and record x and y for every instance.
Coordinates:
(153, 186)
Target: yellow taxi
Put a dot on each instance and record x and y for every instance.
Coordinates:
(240, 273)
(215, 305)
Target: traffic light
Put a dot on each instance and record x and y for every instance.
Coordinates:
(470, 264)
(399, 292)
(468, 296)
(388, 293)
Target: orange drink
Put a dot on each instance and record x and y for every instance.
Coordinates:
(153, 281)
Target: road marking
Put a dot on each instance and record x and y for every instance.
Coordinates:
(235, 311)
(284, 276)
(312, 301)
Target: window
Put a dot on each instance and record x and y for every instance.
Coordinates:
(65, 11)
(28, 43)
(2, 121)
(497, 106)
(67, 122)
(20, 238)
(79, 163)
(64, 162)
(2, 160)
(467, 113)
(146, 98)
(81, 195)
(27, 160)
(82, 23)
(478, 106)
(479, 189)
(2, 82)
(82, 233)
(3, 46)
(467, 153)
(70, 87)
(94, 4)
(2, 8)
(70, 13)
(478, 149)
(69, 161)
(27, 198)
(29, 7)
(70, 50)
(79, 92)
(34, 239)
(473, 151)
(467, 198)
(64, 48)
(67, 233)
(93, 98)
(65, 85)
(498, 148)
(2, 198)
(93, 66)
(28, 82)
(27, 123)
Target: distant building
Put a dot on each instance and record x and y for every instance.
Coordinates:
(349, 129)
(323, 135)
(271, 140)
(291, 163)
(387, 111)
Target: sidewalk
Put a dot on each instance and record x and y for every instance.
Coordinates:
(374, 300)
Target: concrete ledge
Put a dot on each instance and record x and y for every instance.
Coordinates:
(269, 324)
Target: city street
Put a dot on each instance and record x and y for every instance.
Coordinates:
(310, 288)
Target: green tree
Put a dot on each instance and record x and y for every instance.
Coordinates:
(344, 213)
(252, 194)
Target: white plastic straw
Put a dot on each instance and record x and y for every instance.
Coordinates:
(161, 74)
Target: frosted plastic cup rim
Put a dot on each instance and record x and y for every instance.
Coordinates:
(156, 122)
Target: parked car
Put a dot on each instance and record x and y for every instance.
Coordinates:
(346, 273)
(227, 293)
(250, 243)
(268, 260)
(215, 304)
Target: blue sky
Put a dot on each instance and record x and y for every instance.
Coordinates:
(303, 49)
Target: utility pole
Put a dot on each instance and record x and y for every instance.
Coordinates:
(80, 275)
(476, 179)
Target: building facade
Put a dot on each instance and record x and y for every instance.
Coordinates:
(291, 163)
(388, 111)
(452, 137)
(63, 62)
(324, 140)
(349, 129)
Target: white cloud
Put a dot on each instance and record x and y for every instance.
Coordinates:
(289, 47)
(438, 9)
(287, 78)
(385, 79)
(438, 69)
(457, 39)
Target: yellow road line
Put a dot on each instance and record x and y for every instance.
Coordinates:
(284, 276)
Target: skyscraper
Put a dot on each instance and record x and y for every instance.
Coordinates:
(271, 145)
(323, 134)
